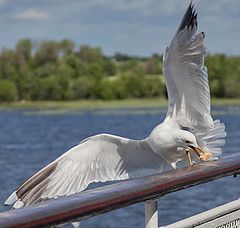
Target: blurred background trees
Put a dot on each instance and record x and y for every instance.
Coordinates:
(57, 70)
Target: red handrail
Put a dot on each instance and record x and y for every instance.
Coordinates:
(124, 193)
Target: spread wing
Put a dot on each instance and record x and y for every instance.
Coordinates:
(186, 79)
(186, 76)
(97, 159)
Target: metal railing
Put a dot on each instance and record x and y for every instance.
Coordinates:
(225, 216)
(104, 199)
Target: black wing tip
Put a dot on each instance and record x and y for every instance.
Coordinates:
(189, 18)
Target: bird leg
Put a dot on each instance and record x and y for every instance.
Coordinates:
(188, 152)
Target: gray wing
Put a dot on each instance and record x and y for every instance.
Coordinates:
(97, 159)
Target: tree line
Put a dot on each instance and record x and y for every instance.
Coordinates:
(58, 70)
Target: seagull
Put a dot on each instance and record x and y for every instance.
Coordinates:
(188, 133)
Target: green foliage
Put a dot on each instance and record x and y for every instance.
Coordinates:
(154, 86)
(112, 88)
(131, 65)
(24, 84)
(88, 54)
(8, 68)
(121, 57)
(119, 88)
(47, 53)
(105, 90)
(83, 88)
(45, 70)
(50, 89)
(153, 65)
(134, 84)
(24, 50)
(78, 66)
(66, 46)
(109, 68)
(8, 91)
(224, 76)
(56, 70)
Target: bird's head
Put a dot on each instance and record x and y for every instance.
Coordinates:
(187, 141)
(173, 143)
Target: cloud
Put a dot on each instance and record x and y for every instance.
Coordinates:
(163, 7)
(32, 15)
(135, 27)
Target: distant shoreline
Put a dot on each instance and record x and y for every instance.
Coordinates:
(98, 104)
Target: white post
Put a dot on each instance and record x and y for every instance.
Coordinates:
(151, 214)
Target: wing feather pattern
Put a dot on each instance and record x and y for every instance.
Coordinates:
(98, 159)
(187, 85)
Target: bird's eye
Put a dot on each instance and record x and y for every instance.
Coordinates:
(187, 141)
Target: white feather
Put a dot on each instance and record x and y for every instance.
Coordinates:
(101, 158)
(188, 90)
(11, 199)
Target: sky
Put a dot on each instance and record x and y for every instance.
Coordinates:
(134, 27)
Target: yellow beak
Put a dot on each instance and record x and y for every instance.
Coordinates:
(204, 156)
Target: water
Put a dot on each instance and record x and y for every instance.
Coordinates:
(31, 139)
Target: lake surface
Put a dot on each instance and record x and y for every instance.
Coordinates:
(30, 139)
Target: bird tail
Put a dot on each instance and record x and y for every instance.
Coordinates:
(215, 139)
